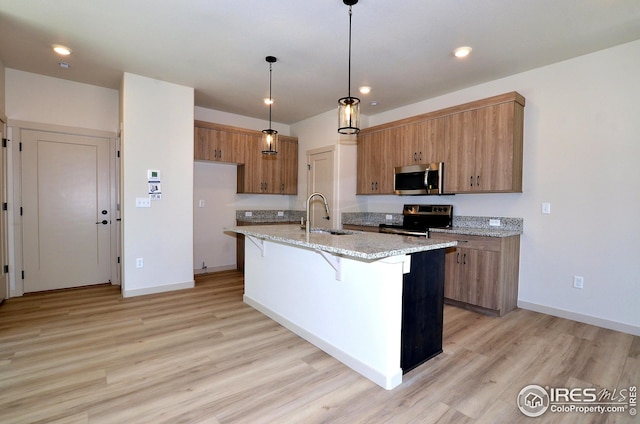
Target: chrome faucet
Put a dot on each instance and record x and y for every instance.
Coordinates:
(326, 207)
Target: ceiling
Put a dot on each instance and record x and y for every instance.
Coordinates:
(402, 49)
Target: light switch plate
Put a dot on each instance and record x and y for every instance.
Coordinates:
(546, 208)
(143, 202)
(494, 222)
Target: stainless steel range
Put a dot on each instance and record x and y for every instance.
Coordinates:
(419, 218)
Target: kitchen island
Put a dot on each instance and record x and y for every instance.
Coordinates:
(372, 301)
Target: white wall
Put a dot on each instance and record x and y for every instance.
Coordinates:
(580, 154)
(157, 133)
(2, 90)
(47, 100)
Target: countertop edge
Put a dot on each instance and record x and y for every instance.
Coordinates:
(330, 243)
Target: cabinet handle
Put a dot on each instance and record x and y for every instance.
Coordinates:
(420, 156)
(478, 180)
(220, 154)
(376, 186)
(415, 156)
(464, 259)
(282, 188)
(371, 185)
(458, 257)
(471, 181)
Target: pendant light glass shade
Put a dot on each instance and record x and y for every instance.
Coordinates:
(270, 136)
(349, 115)
(269, 142)
(349, 107)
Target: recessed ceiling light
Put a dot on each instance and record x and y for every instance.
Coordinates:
(365, 89)
(61, 50)
(268, 101)
(462, 51)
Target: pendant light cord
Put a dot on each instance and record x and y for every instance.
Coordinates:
(349, 85)
(270, 98)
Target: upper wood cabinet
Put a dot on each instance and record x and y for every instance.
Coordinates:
(483, 149)
(218, 145)
(257, 173)
(269, 174)
(375, 161)
(420, 142)
(480, 143)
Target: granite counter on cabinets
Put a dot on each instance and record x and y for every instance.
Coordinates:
(462, 225)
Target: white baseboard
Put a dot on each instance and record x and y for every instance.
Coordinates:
(388, 382)
(587, 319)
(158, 289)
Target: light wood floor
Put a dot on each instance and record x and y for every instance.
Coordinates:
(202, 356)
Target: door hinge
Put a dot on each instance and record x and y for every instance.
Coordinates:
(118, 259)
(6, 269)
(118, 154)
(20, 146)
(4, 142)
(5, 206)
(308, 167)
(23, 275)
(20, 210)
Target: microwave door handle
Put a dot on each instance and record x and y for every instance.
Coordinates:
(426, 177)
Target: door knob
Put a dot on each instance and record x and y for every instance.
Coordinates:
(103, 222)
(104, 212)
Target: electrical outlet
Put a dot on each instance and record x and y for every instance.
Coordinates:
(248, 214)
(494, 222)
(578, 282)
(388, 217)
(280, 214)
(139, 263)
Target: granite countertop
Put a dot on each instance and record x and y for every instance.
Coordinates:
(463, 225)
(354, 244)
(470, 231)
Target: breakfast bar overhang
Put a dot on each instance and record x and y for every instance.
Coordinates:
(355, 295)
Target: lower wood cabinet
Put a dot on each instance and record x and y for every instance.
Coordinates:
(481, 273)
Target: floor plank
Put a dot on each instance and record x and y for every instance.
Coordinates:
(202, 356)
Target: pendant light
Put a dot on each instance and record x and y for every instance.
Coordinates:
(349, 107)
(270, 136)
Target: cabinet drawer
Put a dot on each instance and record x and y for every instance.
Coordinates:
(469, 242)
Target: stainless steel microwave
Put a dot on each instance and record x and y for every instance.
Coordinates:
(425, 178)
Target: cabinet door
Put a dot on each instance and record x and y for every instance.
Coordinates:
(459, 152)
(230, 146)
(481, 277)
(429, 140)
(201, 144)
(453, 288)
(495, 148)
(250, 174)
(288, 157)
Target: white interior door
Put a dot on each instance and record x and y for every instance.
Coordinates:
(4, 260)
(66, 210)
(320, 179)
